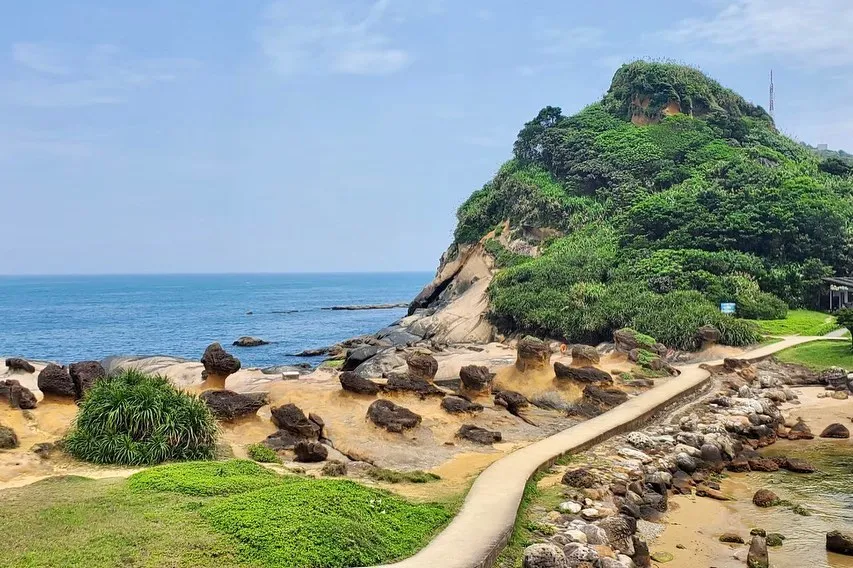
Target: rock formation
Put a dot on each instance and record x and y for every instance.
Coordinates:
(291, 419)
(586, 375)
(402, 382)
(18, 364)
(218, 364)
(310, 451)
(228, 405)
(476, 380)
(422, 366)
(392, 417)
(836, 430)
(458, 405)
(84, 374)
(351, 382)
(478, 435)
(17, 395)
(584, 355)
(248, 341)
(56, 380)
(532, 354)
(8, 438)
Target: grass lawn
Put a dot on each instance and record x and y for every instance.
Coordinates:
(799, 322)
(820, 355)
(211, 514)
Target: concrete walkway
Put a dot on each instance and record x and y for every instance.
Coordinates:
(483, 526)
(839, 333)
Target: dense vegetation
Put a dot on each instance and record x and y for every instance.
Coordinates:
(819, 355)
(669, 196)
(138, 419)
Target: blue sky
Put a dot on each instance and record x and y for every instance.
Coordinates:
(315, 135)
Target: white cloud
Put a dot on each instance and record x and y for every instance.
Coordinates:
(321, 36)
(816, 32)
(48, 75)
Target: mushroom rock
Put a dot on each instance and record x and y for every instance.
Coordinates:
(422, 366)
(532, 354)
(584, 355)
(218, 364)
(228, 405)
(588, 375)
(392, 417)
(476, 380)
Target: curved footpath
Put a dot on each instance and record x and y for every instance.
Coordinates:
(483, 526)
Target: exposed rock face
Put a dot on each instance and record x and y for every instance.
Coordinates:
(709, 334)
(249, 341)
(8, 438)
(797, 465)
(512, 401)
(291, 419)
(757, 556)
(457, 405)
(800, 431)
(218, 364)
(17, 395)
(476, 380)
(532, 354)
(765, 498)
(422, 366)
(587, 375)
(627, 339)
(351, 382)
(585, 355)
(839, 543)
(836, 430)
(18, 364)
(404, 383)
(281, 440)
(228, 405)
(380, 364)
(544, 556)
(309, 452)
(359, 355)
(597, 400)
(392, 417)
(84, 374)
(478, 435)
(55, 380)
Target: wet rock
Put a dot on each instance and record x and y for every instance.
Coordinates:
(422, 367)
(218, 363)
(738, 465)
(731, 538)
(18, 364)
(532, 354)
(544, 556)
(478, 435)
(55, 380)
(797, 465)
(392, 417)
(835, 430)
(476, 380)
(757, 556)
(585, 355)
(351, 382)
(291, 419)
(800, 431)
(228, 405)
(580, 478)
(774, 539)
(765, 498)
(707, 491)
(248, 341)
(766, 465)
(839, 542)
(458, 405)
(586, 375)
(8, 438)
(310, 452)
(359, 355)
(334, 468)
(403, 382)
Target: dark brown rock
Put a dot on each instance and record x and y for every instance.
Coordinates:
(228, 405)
(709, 334)
(476, 380)
(836, 430)
(478, 435)
(532, 354)
(281, 440)
(43, 449)
(310, 452)
(291, 419)
(731, 538)
(511, 400)
(84, 374)
(392, 417)
(738, 465)
(247, 341)
(19, 396)
(18, 364)
(765, 498)
(587, 375)
(580, 478)
(757, 556)
(359, 355)
(585, 355)
(8, 438)
(458, 405)
(797, 465)
(351, 382)
(422, 367)
(800, 431)
(763, 464)
(403, 382)
(55, 380)
(219, 362)
(334, 468)
(839, 543)
(641, 556)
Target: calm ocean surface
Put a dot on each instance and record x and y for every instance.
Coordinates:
(72, 318)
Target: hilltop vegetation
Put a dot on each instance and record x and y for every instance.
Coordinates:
(670, 195)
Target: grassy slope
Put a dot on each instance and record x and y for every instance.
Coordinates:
(820, 354)
(212, 514)
(799, 322)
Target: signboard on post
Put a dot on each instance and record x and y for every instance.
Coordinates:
(728, 308)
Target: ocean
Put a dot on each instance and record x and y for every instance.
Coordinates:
(73, 318)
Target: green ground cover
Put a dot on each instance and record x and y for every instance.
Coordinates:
(799, 322)
(820, 355)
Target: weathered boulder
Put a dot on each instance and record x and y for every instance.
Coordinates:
(459, 405)
(839, 542)
(511, 400)
(351, 382)
(403, 382)
(84, 374)
(385, 361)
(478, 435)
(796, 465)
(580, 478)
(641, 557)
(584, 355)
(835, 430)
(422, 366)
(765, 498)
(43, 449)
(281, 440)
(334, 468)
(627, 339)
(249, 341)
(228, 405)
(532, 354)
(17, 395)
(757, 556)
(18, 364)
(218, 364)
(800, 431)
(310, 452)
(56, 380)
(291, 419)
(476, 380)
(587, 375)
(392, 417)
(359, 355)
(709, 334)
(8, 438)
(596, 400)
(544, 555)
(731, 538)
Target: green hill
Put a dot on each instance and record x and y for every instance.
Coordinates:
(650, 207)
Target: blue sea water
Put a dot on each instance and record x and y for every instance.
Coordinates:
(72, 318)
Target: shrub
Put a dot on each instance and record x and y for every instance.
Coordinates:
(137, 419)
(392, 476)
(206, 478)
(262, 453)
(844, 317)
(761, 306)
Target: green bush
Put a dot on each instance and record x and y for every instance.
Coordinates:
(324, 524)
(761, 306)
(138, 419)
(393, 476)
(844, 317)
(263, 454)
(206, 478)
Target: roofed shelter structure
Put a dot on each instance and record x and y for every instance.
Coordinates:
(838, 292)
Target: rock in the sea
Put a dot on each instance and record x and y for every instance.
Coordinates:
(800, 431)
(459, 405)
(765, 498)
(478, 435)
(55, 380)
(84, 374)
(587, 375)
(532, 354)
(839, 542)
(249, 341)
(731, 538)
(18, 364)
(511, 400)
(757, 556)
(709, 334)
(8, 438)
(403, 382)
(392, 417)
(774, 539)
(219, 363)
(544, 555)
(835, 430)
(290, 418)
(840, 395)
(585, 355)
(422, 366)
(476, 380)
(310, 452)
(17, 395)
(580, 478)
(351, 382)
(228, 405)
(797, 465)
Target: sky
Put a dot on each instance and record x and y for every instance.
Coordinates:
(320, 135)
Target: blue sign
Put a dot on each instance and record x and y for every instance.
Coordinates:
(728, 308)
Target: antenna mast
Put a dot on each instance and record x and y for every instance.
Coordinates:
(772, 97)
